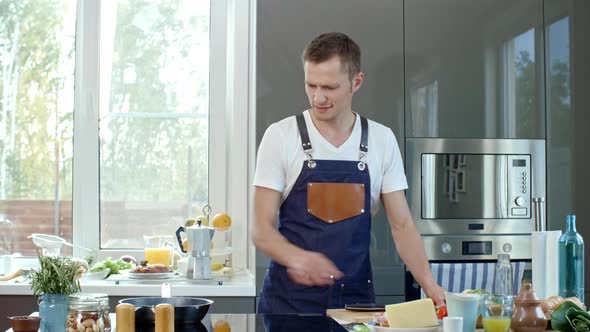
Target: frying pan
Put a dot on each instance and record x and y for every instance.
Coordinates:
(186, 309)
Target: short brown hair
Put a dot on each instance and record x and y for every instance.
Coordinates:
(326, 45)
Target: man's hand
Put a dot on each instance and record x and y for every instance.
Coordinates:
(409, 244)
(313, 269)
(436, 293)
(304, 267)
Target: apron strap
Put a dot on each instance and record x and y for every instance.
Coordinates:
(303, 133)
(364, 147)
(305, 142)
(364, 134)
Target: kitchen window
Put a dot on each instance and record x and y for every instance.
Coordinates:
(122, 128)
(37, 40)
(153, 117)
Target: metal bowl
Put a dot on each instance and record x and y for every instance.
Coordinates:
(186, 309)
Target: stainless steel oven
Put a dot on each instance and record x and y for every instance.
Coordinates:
(471, 199)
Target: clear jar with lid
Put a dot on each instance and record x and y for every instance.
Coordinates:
(89, 312)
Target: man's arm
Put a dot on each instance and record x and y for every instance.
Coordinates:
(304, 267)
(409, 244)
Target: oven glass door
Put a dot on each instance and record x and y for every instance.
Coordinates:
(475, 186)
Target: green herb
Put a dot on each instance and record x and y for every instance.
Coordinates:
(56, 275)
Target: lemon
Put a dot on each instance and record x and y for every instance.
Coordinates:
(185, 244)
(189, 222)
(221, 326)
(221, 221)
(217, 266)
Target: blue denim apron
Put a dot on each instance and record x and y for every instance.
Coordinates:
(345, 242)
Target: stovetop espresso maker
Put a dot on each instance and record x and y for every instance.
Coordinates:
(199, 250)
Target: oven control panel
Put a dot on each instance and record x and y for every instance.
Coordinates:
(471, 248)
(519, 186)
(442, 248)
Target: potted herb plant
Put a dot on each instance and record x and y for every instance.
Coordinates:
(56, 278)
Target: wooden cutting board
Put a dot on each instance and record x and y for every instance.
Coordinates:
(352, 316)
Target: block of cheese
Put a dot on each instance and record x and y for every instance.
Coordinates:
(419, 313)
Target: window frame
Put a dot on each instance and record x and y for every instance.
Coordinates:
(229, 114)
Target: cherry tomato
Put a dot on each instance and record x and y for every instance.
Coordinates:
(441, 312)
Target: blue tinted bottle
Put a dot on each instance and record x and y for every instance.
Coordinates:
(571, 261)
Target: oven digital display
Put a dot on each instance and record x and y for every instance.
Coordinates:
(518, 162)
(477, 247)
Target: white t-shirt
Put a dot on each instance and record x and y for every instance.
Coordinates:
(281, 156)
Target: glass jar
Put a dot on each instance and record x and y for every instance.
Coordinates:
(89, 312)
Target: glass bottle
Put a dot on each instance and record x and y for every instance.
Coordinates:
(53, 310)
(503, 279)
(571, 261)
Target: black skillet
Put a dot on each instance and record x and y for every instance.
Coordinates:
(186, 309)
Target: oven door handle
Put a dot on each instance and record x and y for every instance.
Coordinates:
(502, 182)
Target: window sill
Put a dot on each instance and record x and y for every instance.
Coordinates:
(241, 285)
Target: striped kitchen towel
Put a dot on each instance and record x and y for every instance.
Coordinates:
(456, 277)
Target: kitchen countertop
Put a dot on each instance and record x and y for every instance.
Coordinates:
(256, 323)
(252, 323)
(241, 284)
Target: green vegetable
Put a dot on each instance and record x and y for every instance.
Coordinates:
(476, 291)
(114, 265)
(360, 328)
(578, 319)
(559, 321)
(90, 260)
(57, 275)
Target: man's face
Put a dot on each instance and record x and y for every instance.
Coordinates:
(330, 89)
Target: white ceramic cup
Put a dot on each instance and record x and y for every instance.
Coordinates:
(452, 324)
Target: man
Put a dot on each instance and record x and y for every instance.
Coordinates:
(323, 173)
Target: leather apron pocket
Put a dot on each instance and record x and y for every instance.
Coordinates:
(334, 202)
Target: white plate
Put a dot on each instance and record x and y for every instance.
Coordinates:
(96, 275)
(159, 275)
(220, 252)
(402, 329)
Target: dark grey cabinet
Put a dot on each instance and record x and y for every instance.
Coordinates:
(283, 30)
(560, 113)
(567, 49)
(474, 69)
